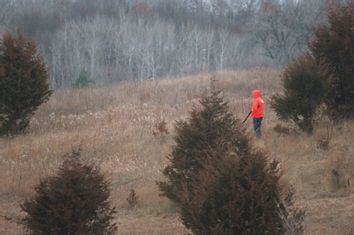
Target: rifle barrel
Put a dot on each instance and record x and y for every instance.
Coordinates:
(247, 117)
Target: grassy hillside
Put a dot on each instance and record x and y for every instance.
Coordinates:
(117, 129)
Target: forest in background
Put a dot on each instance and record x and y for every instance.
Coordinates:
(116, 40)
(128, 129)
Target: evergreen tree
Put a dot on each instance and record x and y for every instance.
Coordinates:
(305, 89)
(23, 83)
(333, 47)
(239, 194)
(75, 201)
(221, 182)
(204, 129)
(84, 79)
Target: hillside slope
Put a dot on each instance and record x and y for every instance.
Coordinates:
(117, 129)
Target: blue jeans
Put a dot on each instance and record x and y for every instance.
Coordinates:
(257, 124)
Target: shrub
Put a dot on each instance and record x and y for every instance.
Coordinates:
(205, 128)
(74, 201)
(333, 47)
(324, 141)
(84, 80)
(23, 83)
(305, 88)
(132, 199)
(160, 128)
(281, 130)
(339, 167)
(220, 182)
(239, 194)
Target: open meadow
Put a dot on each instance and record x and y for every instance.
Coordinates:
(117, 128)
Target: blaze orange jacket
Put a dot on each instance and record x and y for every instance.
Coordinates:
(258, 105)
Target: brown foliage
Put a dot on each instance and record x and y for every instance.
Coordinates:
(132, 199)
(325, 140)
(281, 130)
(339, 168)
(160, 129)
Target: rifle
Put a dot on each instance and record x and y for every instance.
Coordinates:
(247, 117)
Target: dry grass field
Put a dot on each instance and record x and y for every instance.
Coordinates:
(116, 128)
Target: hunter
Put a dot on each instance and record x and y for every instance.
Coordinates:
(257, 112)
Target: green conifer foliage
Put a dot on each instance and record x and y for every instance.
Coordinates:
(305, 88)
(74, 201)
(84, 79)
(203, 130)
(23, 83)
(221, 183)
(333, 47)
(239, 194)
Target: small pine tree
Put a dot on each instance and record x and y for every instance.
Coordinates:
(23, 83)
(84, 79)
(239, 194)
(205, 128)
(305, 88)
(333, 47)
(221, 183)
(74, 201)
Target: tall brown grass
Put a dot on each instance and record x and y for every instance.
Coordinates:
(114, 126)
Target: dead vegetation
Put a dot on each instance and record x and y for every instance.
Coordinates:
(325, 139)
(160, 129)
(132, 199)
(117, 123)
(281, 130)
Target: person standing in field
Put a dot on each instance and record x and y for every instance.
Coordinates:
(257, 112)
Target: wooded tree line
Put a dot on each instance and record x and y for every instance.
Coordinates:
(114, 40)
